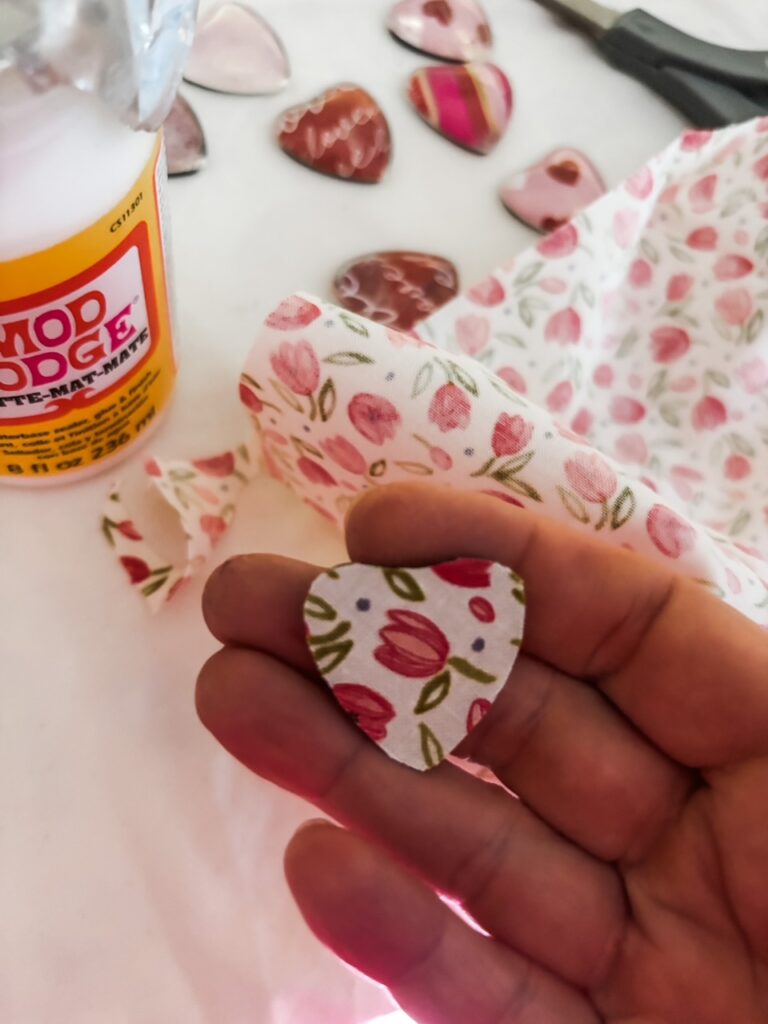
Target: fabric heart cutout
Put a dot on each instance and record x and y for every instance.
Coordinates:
(451, 29)
(236, 51)
(470, 104)
(342, 132)
(549, 193)
(185, 148)
(396, 288)
(416, 657)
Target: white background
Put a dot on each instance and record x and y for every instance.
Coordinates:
(140, 868)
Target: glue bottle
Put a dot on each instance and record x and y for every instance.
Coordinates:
(87, 361)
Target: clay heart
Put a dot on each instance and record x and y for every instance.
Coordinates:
(396, 288)
(552, 191)
(451, 29)
(342, 133)
(416, 657)
(471, 105)
(236, 51)
(185, 148)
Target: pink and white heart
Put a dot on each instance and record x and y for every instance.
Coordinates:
(416, 656)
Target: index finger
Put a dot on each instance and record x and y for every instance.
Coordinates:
(689, 671)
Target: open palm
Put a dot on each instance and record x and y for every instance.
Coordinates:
(628, 883)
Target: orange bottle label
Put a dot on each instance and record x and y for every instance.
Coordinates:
(86, 349)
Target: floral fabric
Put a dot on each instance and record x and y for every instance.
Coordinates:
(416, 657)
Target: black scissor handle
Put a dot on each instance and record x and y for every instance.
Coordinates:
(712, 85)
(644, 38)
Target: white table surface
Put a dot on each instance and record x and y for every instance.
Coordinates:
(140, 867)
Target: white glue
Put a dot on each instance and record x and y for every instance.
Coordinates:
(87, 364)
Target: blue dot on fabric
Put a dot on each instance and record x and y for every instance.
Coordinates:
(363, 604)
(478, 645)
(469, 451)
(390, 376)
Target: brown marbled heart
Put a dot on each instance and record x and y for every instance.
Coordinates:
(342, 132)
(440, 10)
(396, 288)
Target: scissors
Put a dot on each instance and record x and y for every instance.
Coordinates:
(712, 85)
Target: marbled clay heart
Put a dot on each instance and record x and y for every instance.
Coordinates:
(342, 132)
(185, 148)
(396, 288)
(552, 191)
(451, 29)
(470, 104)
(416, 657)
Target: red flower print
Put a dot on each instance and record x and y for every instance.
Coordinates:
(737, 467)
(625, 227)
(508, 498)
(732, 266)
(669, 344)
(632, 448)
(250, 399)
(293, 312)
(694, 139)
(344, 454)
(218, 465)
(709, 413)
(473, 333)
(412, 645)
(214, 526)
(482, 609)
(626, 410)
(564, 327)
(735, 306)
(582, 422)
(702, 193)
(478, 709)
(440, 458)
(319, 508)
(678, 287)
(640, 184)
(560, 243)
(512, 379)
(137, 568)
(511, 435)
(487, 293)
(640, 274)
(704, 239)
(591, 476)
(753, 375)
(560, 396)
(603, 375)
(669, 532)
(450, 408)
(761, 168)
(296, 366)
(552, 285)
(370, 710)
(128, 529)
(152, 468)
(465, 572)
(374, 417)
(314, 472)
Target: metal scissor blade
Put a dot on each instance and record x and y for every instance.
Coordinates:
(587, 14)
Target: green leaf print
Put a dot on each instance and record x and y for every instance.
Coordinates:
(403, 584)
(433, 693)
(431, 750)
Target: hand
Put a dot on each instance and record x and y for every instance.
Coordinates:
(628, 884)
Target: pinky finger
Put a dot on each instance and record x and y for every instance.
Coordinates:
(388, 925)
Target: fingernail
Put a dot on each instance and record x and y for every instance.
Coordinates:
(310, 823)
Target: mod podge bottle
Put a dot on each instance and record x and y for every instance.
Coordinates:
(87, 361)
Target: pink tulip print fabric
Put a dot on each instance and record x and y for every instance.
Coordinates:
(416, 657)
(614, 377)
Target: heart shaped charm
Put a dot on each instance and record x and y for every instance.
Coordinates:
(396, 288)
(416, 656)
(185, 148)
(471, 104)
(236, 51)
(342, 132)
(451, 29)
(552, 191)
